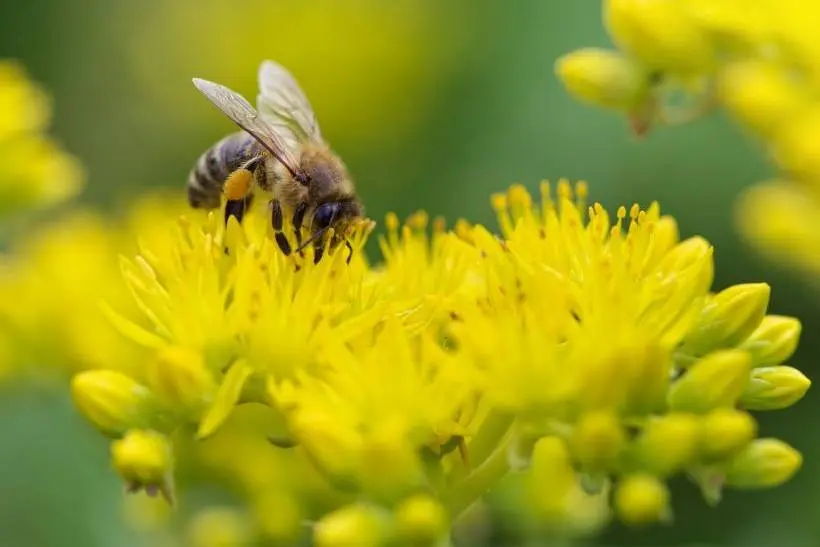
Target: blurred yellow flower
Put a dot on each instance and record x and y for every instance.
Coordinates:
(759, 61)
(34, 171)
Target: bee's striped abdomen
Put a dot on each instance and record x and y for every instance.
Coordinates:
(213, 167)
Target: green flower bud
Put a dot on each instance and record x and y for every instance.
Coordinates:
(774, 340)
(714, 381)
(763, 464)
(354, 524)
(112, 401)
(642, 499)
(728, 319)
(725, 431)
(143, 460)
(667, 444)
(660, 34)
(597, 440)
(421, 521)
(773, 388)
(604, 78)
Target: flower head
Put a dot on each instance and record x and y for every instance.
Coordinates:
(34, 172)
(577, 346)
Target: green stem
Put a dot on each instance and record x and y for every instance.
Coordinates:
(486, 439)
(470, 489)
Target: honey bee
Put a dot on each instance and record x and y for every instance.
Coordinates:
(280, 151)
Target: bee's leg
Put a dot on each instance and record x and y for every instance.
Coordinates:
(318, 251)
(277, 220)
(349, 252)
(237, 207)
(298, 218)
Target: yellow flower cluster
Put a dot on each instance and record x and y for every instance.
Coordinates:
(34, 172)
(758, 61)
(581, 350)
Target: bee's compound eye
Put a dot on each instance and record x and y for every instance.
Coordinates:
(324, 215)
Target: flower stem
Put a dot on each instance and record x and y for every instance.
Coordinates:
(470, 489)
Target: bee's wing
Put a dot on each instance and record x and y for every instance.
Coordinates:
(283, 102)
(277, 141)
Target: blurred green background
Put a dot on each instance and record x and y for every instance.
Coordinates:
(433, 105)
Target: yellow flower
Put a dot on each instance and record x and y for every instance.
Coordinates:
(34, 172)
(756, 60)
(143, 459)
(577, 347)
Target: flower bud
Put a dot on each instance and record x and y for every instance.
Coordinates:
(603, 78)
(351, 525)
(660, 34)
(714, 381)
(728, 319)
(181, 381)
(667, 444)
(552, 478)
(774, 340)
(390, 465)
(642, 499)
(596, 441)
(760, 95)
(143, 460)
(725, 431)
(111, 401)
(774, 388)
(219, 527)
(694, 258)
(421, 520)
(764, 463)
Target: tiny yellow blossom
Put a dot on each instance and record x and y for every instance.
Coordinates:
(763, 464)
(667, 444)
(642, 499)
(773, 388)
(179, 378)
(421, 520)
(143, 459)
(718, 380)
(604, 78)
(728, 319)
(112, 401)
(725, 431)
(774, 340)
(597, 441)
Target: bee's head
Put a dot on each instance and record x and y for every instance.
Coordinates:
(339, 215)
(336, 214)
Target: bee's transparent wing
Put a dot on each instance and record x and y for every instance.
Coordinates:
(277, 141)
(282, 102)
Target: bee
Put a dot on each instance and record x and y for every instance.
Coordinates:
(279, 150)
